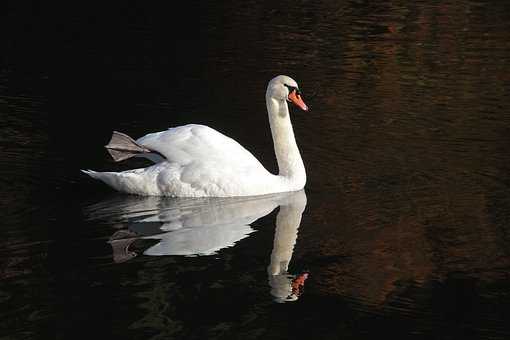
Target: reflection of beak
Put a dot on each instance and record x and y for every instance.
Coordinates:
(296, 99)
(299, 283)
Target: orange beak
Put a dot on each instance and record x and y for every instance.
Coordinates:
(296, 99)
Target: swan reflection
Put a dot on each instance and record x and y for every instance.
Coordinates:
(203, 226)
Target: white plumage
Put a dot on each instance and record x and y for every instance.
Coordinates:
(202, 162)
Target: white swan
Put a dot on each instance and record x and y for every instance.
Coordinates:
(198, 161)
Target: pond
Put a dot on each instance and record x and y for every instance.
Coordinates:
(402, 230)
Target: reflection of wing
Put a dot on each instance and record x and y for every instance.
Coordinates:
(187, 226)
(198, 241)
(206, 229)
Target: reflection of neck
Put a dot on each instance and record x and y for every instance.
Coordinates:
(290, 164)
(287, 224)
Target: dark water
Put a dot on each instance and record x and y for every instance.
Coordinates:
(405, 229)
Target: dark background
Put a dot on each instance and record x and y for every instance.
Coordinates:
(406, 149)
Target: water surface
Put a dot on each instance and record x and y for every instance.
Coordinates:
(402, 230)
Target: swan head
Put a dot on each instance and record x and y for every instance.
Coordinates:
(285, 88)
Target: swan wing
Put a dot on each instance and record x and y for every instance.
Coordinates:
(194, 143)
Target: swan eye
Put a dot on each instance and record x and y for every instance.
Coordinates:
(292, 88)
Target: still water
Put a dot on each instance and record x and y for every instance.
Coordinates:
(402, 230)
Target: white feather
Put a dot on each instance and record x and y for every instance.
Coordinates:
(201, 161)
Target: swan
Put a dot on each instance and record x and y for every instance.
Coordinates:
(197, 161)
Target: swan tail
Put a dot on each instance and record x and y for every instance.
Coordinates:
(122, 147)
(126, 181)
(106, 177)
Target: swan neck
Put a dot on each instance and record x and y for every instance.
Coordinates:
(290, 164)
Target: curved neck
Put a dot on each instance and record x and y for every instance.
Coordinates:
(290, 164)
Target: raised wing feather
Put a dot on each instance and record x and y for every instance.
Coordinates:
(198, 143)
